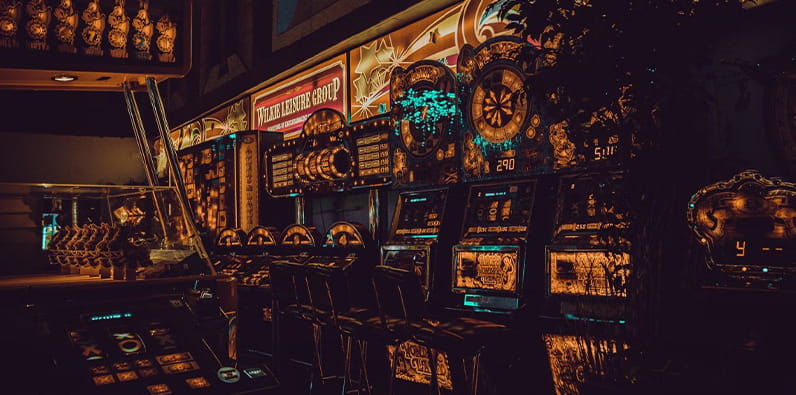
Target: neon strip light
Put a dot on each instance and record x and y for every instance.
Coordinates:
(423, 237)
(420, 199)
(490, 194)
(104, 317)
(576, 318)
(488, 248)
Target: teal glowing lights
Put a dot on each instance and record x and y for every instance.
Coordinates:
(576, 318)
(427, 107)
(114, 316)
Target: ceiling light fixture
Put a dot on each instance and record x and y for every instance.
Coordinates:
(64, 78)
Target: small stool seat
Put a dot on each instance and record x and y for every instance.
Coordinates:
(459, 336)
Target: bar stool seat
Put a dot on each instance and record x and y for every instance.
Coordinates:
(458, 336)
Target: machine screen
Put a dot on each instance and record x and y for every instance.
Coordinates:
(588, 272)
(419, 215)
(486, 268)
(499, 210)
(592, 204)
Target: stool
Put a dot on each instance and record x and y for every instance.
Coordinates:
(292, 298)
(395, 321)
(463, 337)
(330, 292)
(284, 304)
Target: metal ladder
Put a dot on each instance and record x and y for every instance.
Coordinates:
(175, 175)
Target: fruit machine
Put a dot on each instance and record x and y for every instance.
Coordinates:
(222, 181)
(742, 273)
(586, 312)
(254, 289)
(226, 250)
(426, 120)
(505, 157)
(168, 337)
(333, 171)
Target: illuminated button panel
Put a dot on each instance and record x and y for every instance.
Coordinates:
(174, 358)
(197, 382)
(159, 389)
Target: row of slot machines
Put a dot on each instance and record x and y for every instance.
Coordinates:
(248, 258)
(501, 213)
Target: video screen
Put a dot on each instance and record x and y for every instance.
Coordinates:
(499, 210)
(588, 272)
(592, 204)
(494, 269)
(419, 215)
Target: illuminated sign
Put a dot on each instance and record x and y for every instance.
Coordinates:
(487, 268)
(286, 106)
(748, 226)
(248, 182)
(226, 120)
(588, 272)
(575, 360)
(436, 37)
(412, 364)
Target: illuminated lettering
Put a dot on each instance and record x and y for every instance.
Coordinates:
(740, 245)
(505, 165)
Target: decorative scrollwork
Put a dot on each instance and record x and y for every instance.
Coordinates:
(94, 21)
(167, 33)
(39, 15)
(10, 16)
(144, 28)
(66, 27)
(119, 28)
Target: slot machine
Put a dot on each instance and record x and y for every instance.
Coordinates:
(743, 228)
(746, 226)
(426, 121)
(333, 171)
(586, 313)
(222, 180)
(247, 258)
(227, 248)
(504, 149)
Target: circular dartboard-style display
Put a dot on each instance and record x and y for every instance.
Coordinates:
(499, 104)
